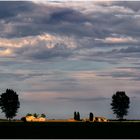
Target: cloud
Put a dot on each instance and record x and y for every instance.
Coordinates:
(126, 73)
(19, 76)
(49, 47)
(100, 32)
(79, 99)
(44, 51)
(119, 40)
(78, 19)
(129, 4)
(32, 22)
(134, 49)
(67, 15)
(43, 46)
(61, 18)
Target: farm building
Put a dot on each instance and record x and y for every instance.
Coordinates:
(34, 119)
(100, 119)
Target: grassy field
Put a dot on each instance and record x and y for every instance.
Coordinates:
(80, 130)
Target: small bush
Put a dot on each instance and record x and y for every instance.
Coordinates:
(23, 119)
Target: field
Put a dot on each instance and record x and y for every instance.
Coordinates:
(77, 130)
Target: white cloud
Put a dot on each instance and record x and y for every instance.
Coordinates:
(35, 44)
(118, 40)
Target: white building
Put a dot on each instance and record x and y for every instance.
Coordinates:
(34, 119)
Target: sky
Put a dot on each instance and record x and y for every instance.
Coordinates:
(66, 56)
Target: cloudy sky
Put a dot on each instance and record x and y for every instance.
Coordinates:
(63, 56)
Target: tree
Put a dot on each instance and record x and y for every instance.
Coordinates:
(35, 115)
(75, 115)
(43, 115)
(29, 114)
(23, 119)
(91, 116)
(120, 104)
(78, 116)
(9, 103)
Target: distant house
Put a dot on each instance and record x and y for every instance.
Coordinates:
(29, 118)
(41, 119)
(100, 119)
(85, 119)
(96, 119)
(34, 119)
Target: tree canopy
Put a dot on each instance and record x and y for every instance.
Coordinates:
(43, 115)
(77, 116)
(120, 104)
(91, 116)
(9, 103)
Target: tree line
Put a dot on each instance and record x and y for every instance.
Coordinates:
(9, 104)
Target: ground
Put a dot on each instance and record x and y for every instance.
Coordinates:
(54, 130)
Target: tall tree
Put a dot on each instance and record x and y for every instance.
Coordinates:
(120, 104)
(78, 116)
(35, 115)
(91, 116)
(9, 103)
(75, 115)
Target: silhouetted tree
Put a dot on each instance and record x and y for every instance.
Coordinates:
(75, 115)
(43, 115)
(35, 115)
(78, 116)
(120, 104)
(23, 119)
(9, 103)
(91, 116)
(29, 114)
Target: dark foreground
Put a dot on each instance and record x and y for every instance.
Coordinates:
(70, 130)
